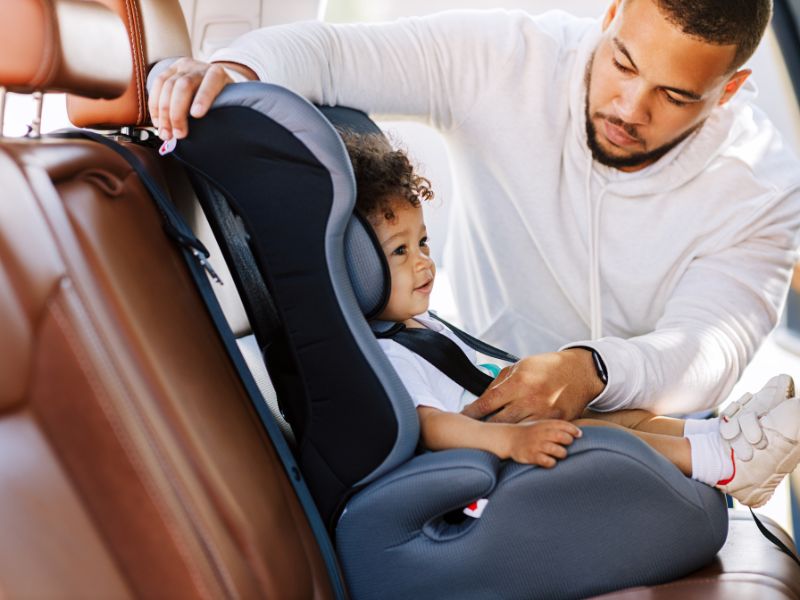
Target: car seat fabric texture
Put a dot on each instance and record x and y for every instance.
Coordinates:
(613, 514)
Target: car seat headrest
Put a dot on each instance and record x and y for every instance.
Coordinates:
(156, 30)
(367, 267)
(44, 47)
(366, 264)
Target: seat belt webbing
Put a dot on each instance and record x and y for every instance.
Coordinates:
(774, 539)
(475, 343)
(443, 353)
(262, 310)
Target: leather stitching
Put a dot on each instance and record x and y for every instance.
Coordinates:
(140, 71)
(135, 54)
(47, 66)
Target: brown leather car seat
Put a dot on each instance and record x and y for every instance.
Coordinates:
(131, 461)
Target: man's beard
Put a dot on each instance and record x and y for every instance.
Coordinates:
(636, 159)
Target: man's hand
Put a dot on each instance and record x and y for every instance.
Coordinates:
(557, 385)
(187, 87)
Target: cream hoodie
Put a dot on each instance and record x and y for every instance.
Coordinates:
(675, 273)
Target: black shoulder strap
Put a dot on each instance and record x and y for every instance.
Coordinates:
(196, 257)
(774, 539)
(174, 224)
(261, 309)
(443, 353)
(475, 343)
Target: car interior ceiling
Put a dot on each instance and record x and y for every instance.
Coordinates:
(112, 484)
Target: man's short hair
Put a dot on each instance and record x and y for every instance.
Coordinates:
(721, 22)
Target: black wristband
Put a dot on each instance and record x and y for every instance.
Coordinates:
(599, 365)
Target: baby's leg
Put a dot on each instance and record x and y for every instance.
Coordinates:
(674, 447)
(640, 420)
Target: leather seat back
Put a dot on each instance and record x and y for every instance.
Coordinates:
(131, 461)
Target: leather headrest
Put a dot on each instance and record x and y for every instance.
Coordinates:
(63, 46)
(156, 30)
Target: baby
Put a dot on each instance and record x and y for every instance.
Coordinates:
(745, 452)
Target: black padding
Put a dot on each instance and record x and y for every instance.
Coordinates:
(337, 407)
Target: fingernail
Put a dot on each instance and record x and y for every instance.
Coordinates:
(196, 109)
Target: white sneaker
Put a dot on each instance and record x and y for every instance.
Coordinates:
(776, 390)
(773, 445)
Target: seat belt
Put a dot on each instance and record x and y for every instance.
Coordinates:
(774, 539)
(443, 353)
(196, 256)
(263, 312)
(475, 343)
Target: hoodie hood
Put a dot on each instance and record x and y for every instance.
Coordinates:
(725, 126)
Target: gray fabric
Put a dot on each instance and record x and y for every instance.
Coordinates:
(614, 514)
(248, 346)
(310, 127)
(364, 267)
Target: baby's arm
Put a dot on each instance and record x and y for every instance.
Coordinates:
(539, 442)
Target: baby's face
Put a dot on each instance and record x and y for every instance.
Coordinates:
(405, 243)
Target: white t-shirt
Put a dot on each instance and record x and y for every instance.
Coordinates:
(426, 384)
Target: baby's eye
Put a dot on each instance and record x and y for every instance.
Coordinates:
(424, 242)
(400, 250)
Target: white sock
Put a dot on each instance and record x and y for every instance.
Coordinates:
(710, 462)
(696, 426)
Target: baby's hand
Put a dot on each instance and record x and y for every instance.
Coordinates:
(541, 443)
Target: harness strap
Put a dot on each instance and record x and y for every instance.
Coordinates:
(443, 353)
(475, 343)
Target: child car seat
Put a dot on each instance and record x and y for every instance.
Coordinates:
(613, 514)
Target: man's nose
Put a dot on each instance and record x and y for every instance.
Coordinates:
(632, 103)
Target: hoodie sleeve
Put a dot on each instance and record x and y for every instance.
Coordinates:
(434, 68)
(721, 311)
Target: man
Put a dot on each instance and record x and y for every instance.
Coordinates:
(617, 195)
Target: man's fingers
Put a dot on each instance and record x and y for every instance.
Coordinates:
(486, 404)
(154, 98)
(211, 85)
(508, 414)
(180, 99)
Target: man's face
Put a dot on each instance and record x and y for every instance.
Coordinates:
(649, 85)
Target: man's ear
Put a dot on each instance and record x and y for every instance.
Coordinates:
(611, 12)
(734, 83)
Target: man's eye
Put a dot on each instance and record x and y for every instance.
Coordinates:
(399, 251)
(620, 67)
(673, 100)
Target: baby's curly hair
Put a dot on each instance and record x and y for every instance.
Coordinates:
(383, 175)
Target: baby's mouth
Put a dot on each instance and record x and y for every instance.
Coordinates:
(426, 287)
